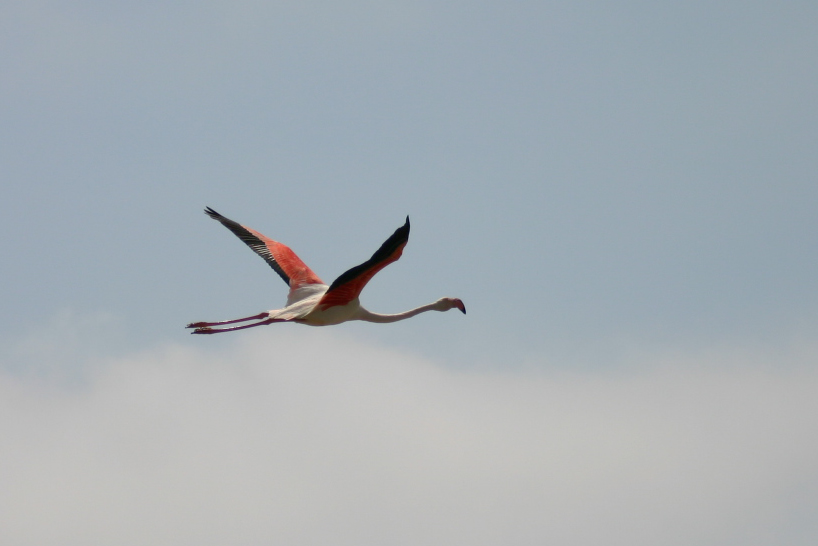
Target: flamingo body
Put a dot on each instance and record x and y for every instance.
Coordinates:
(312, 302)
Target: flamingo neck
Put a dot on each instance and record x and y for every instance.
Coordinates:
(369, 316)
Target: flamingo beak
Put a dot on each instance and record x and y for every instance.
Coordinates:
(459, 305)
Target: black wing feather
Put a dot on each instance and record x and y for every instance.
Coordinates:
(253, 241)
(397, 239)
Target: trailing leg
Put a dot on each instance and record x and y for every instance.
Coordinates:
(209, 330)
(206, 324)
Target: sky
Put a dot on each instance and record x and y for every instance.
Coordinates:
(623, 194)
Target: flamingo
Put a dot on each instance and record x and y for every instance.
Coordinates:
(310, 301)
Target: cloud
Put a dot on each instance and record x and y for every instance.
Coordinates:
(303, 436)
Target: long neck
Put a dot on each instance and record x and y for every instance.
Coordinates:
(369, 316)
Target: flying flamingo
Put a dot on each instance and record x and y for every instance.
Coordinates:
(310, 301)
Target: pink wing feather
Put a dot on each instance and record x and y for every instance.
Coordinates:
(277, 255)
(348, 286)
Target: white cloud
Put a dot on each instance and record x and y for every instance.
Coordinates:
(300, 436)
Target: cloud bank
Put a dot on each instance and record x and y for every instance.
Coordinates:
(296, 436)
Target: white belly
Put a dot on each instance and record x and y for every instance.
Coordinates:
(333, 315)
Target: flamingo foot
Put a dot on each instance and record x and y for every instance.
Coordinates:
(245, 319)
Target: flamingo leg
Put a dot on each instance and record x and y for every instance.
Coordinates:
(206, 324)
(209, 330)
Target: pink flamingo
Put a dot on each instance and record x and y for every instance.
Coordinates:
(310, 301)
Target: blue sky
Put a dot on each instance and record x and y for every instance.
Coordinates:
(614, 190)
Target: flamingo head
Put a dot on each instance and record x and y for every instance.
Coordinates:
(451, 303)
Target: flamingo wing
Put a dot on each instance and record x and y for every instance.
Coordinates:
(348, 286)
(278, 256)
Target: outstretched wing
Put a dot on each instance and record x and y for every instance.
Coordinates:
(348, 286)
(283, 260)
